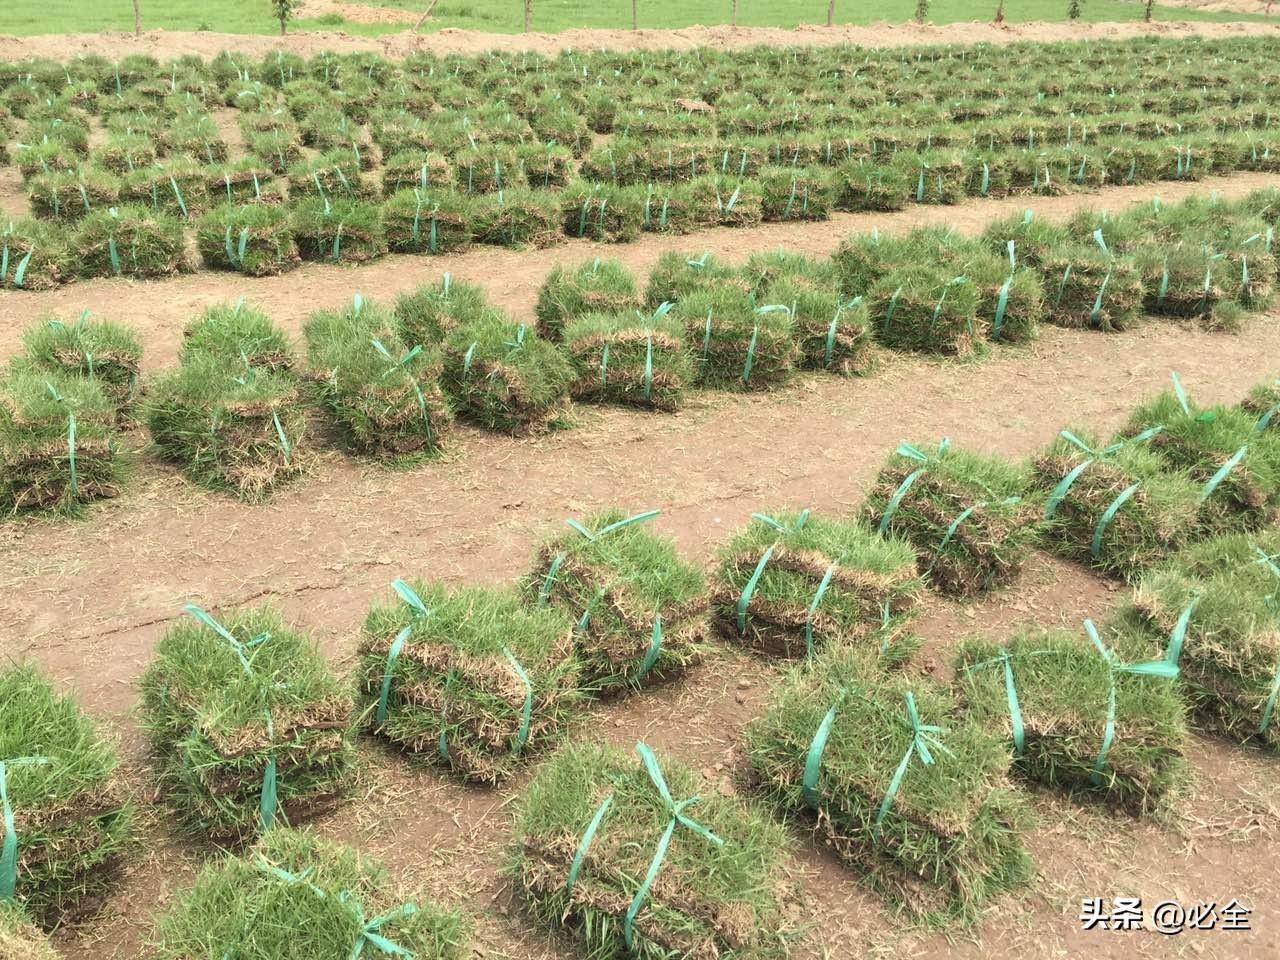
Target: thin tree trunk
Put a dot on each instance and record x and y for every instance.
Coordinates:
(635, 20)
(137, 20)
(733, 19)
(1146, 15)
(425, 13)
(528, 14)
(831, 13)
(1000, 13)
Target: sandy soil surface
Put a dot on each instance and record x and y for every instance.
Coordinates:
(88, 600)
(162, 43)
(1260, 7)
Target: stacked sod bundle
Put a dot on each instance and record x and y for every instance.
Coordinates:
(964, 514)
(341, 230)
(790, 583)
(33, 255)
(629, 358)
(232, 426)
(19, 939)
(1117, 508)
(598, 287)
(1263, 402)
(65, 824)
(1223, 596)
(907, 792)
(1081, 716)
(1221, 449)
(1091, 287)
(296, 895)
(675, 276)
(602, 213)
(129, 242)
(595, 821)
(427, 314)
(432, 222)
(472, 679)
(95, 350)
(254, 239)
(383, 396)
(736, 343)
(236, 332)
(503, 376)
(920, 308)
(57, 441)
(517, 218)
(639, 608)
(247, 723)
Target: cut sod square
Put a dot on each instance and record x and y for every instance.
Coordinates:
(472, 679)
(247, 724)
(70, 195)
(737, 344)
(1117, 508)
(677, 275)
(503, 376)
(605, 214)
(639, 609)
(1101, 719)
(339, 230)
(236, 332)
(254, 239)
(597, 287)
(595, 820)
(97, 350)
(964, 513)
(431, 222)
(33, 255)
(294, 894)
(796, 193)
(58, 441)
(629, 358)
(19, 937)
(924, 309)
(70, 822)
(382, 394)
(792, 583)
(129, 242)
(231, 426)
(832, 334)
(428, 313)
(1224, 594)
(1220, 448)
(910, 794)
(1086, 287)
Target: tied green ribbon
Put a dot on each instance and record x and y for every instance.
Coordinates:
(544, 592)
(960, 518)
(907, 450)
(584, 844)
(1059, 492)
(1165, 668)
(1216, 480)
(1266, 560)
(751, 354)
(813, 607)
(526, 712)
(655, 644)
(269, 801)
(1095, 548)
(1011, 696)
(1268, 710)
(923, 737)
(414, 602)
(371, 931)
(242, 650)
(610, 528)
(1096, 313)
(749, 588)
(403, 364)
(71, 434)
(829, 352)
(678, 818)
(9, 852)
(1002, 304)
(817, 747)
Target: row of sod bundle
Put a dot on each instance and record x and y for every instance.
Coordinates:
(247, 724)
(66, 824)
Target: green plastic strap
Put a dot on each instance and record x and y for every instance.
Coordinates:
(1179, 392)
(71, 454)
(1267, 561)
(9, 852)
(813, 608)
(986, 179)
(433, 234)
(1108, 738)
(285, 448)
(526, 714)
(584, 844)
(831, 339)
(1015, 709)
(1173, 652)
(466, 361)
(1002, 304)
(604, 364)
(384, 697)
(584, 621)
(751, 354)
(750, 588)
(1207, 490)
(1108, 515)
(182, 204)
(114, 255)
(544, 592)
(961, 517)
(1268, 711)
(655, 648)
(896, 500)
(240, 648)
(1064, 485)
(337, 242)
(1062, 285)
(616, 525)
(893, 306)
(269, 801)
(1097, 303)
(1264, 421)
(648, 368)
(923, 736)
(370, 932)
(920, 187)
(818, 746)
(20, 272)
(1164, 285)
(678, 818)
(231, 250)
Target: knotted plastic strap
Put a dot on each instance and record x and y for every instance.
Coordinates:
(923, 736)
(1173, 652)
(1264, 421)
(584, 844)
(1062, 285)
(419, 609)
(813, 608)
(1108, 515)
(817, 747)
(241, 649)
(370, 932)
(1207, 490)
(604, 364)
(986, 179)
(750, 588)
(284, 441)
(526, 714)
(182, 204)
(907, 450)
(1163, 668)
(1064, 485)
(655, 648)
(796, 527)
(269, 801)
(1266, 560)
(677, 819)
(9, 852)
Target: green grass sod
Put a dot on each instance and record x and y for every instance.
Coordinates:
(926, 309)
(33, 255)
(236, 332)
(629, 358)
(1263, 402)
(246, 729)
(518, 218)
(472, 679)
(433, 222)
(737, 343)
(677, 275)
(255, 239)
(99, 350)
(596, 287)
(19, 938)
(428, 313)
(341, 230)
(595, 820)
(129, 241)
(909, 793)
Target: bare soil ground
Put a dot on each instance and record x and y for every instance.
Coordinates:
(88, 600)
(164, 43)
(356, 12)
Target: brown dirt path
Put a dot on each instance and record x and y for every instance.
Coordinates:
(164, 43)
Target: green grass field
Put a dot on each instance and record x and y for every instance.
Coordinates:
(24, 17)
